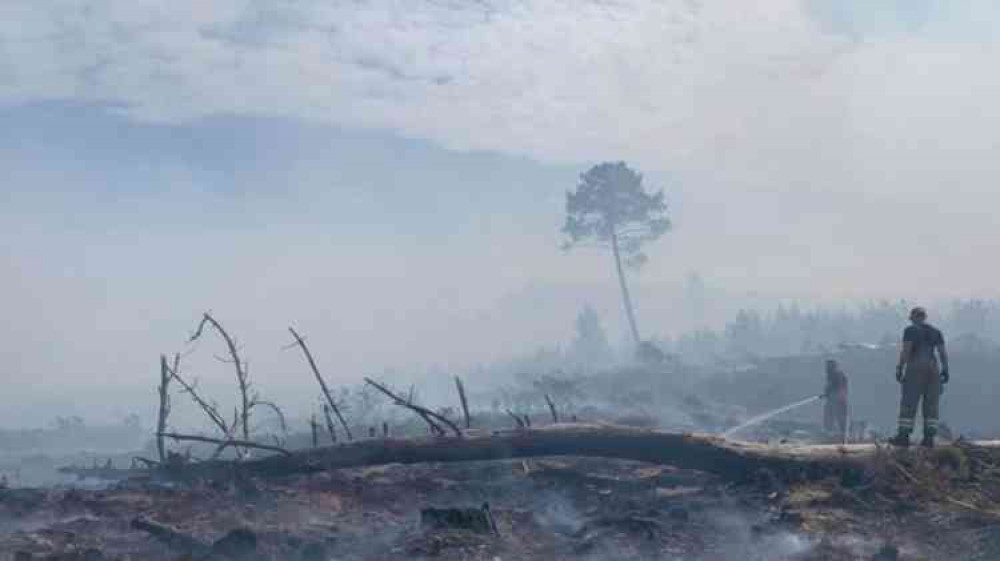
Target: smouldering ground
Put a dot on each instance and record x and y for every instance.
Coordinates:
(558, 509)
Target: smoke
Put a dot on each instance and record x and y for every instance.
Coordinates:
(557, 514)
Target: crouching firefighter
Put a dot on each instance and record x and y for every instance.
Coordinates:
(921, 377)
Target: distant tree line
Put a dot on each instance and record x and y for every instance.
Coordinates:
(790, 330)
(752, 334)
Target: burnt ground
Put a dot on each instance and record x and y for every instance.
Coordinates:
(552, 509)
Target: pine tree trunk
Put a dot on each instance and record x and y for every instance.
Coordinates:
(629, 311)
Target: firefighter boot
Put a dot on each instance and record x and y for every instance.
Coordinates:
(902, 439)
(928, 441)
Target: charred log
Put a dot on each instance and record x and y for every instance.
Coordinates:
(738, 461)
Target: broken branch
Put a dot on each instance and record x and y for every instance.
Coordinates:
(517, 419)
(425, 413)
(242, 378)
(210, 409)
(301, 343)
(277, 411)
(552, 408)
(465, 402)
(330, 427)
(226, 443)
(164, 392)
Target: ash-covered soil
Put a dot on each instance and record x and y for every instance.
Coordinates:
(553, 509)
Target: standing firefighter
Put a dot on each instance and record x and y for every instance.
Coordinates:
(921, 377)
(835, 393)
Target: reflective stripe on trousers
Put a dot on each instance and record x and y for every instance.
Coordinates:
(922, 384)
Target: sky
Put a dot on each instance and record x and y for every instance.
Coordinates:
(389, 176)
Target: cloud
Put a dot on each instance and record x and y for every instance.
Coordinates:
(629, 77)
(770, 91)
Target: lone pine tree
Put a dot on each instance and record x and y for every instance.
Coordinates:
(611, 208)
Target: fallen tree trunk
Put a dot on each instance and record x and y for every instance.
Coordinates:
(714, 454)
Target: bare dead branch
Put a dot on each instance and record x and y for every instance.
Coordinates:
(226, 443)
(301, 343)
(552, 408)
(517, 419)
(330, 427)
(434, 427)
(164, 392)
(228, 430)
(229, 435)
(277, 412)
(465, 402)
(242, 379)
(423, 413)
(176, 367)
(210, 409)
(429, 416)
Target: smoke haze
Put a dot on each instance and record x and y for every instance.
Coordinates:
(390, 178)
